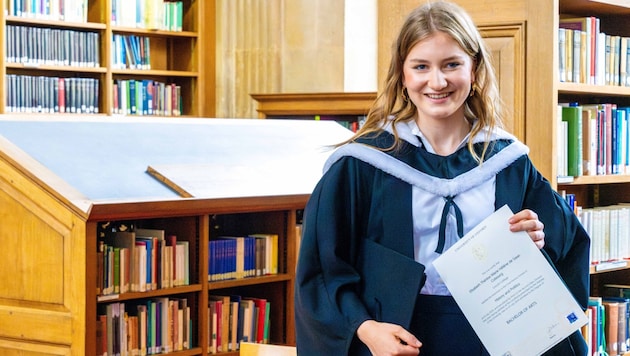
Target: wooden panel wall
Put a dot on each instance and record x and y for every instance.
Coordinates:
(42, 294)
(276, 46)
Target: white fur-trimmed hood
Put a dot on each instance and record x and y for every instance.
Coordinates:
(440, 186)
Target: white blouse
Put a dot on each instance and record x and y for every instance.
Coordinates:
(475, 204)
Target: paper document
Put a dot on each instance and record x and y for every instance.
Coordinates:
(510, 294)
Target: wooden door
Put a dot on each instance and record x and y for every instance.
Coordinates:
(506, 43)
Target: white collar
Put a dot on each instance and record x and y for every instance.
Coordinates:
(440, 186)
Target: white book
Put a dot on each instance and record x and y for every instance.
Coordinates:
(142, 329)
(180, 269)
(125, 265)
(562, 55)
(600, 63)
(141, 268)
(590, 139)
(614, 233)
(622, 60)
(597, 237)
(562, 148)
(605, 233)
(158, 235)
(185, 262)
(624, 234)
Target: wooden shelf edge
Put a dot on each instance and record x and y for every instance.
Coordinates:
(120, 210)
(596, 7)
(149, 294)
(55, 68)
(216, 285)
(601, 179)
(609, 266)
(594, 90)
(153, 32)
(55, 23)
(326, 103)
(154, 72)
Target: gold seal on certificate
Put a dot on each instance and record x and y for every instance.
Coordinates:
(513, 298)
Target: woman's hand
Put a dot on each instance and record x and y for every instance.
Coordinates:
(527, 220)
(385, 339)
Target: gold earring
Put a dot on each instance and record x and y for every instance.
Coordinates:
(473, 89)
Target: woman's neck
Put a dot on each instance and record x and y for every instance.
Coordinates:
(444, 136)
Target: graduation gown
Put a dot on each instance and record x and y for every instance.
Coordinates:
(356, 258)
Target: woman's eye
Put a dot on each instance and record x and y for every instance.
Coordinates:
(421, 67)
(453, 65)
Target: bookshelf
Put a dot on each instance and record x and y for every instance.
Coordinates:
(590, 191)
(598, 190)
(42, 75)
(59, 203)
(344, 107)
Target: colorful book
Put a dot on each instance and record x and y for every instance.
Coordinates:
(573, 116)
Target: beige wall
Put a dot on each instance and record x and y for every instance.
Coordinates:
(313, 45)
(276, 46)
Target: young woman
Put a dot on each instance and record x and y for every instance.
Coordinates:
(430, 163)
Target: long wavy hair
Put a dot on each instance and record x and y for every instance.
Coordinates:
(482, 109)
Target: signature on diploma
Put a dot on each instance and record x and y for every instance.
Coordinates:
(550, 329)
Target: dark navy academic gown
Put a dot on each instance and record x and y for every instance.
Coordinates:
(356, 258)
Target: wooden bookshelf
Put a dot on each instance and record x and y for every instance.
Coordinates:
(599, 190)
(288, 104)
(348, 109)
(177, 58)
(54, 206)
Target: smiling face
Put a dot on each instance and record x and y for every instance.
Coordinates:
(438, 75)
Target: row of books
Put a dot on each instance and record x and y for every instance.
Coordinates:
(146, 97)
(151, 14)
(141, 260)
(158, 325)
(587, 55)
(235, 257)
(608, 329)
(234, 319)
(351, 122)
(609, 229)
(34, 46)
(593, 139)
(61, 10)
(131, 52)
(41, 94)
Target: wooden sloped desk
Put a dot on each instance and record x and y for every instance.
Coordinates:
(61, 176)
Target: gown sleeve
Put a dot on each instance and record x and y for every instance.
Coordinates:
(328, 309)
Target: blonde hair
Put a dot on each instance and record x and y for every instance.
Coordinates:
(482, 109)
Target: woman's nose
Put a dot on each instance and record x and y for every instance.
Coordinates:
(437, 79)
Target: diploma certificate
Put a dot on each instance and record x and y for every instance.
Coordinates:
(508, 291)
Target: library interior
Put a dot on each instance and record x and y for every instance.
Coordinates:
(156, 157)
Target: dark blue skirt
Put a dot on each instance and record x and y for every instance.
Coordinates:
(443, 330)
